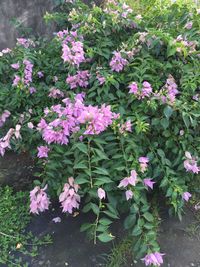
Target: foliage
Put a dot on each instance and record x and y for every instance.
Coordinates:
(15, 243)
(144, 67)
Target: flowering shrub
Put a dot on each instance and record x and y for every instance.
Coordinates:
(110, 109)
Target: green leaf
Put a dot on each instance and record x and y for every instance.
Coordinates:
(105, 221)
(101, 170)
(82, 147)
(101, 154)
(81, 180)
(136, 231)
(105, 237)
(168, 112)
(129, 221)
(102, 180)
(148, 216)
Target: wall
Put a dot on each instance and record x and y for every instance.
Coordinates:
(30, 12)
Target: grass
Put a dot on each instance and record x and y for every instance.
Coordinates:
(121, 254)
(16, 244)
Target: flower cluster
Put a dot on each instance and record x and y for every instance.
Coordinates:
(117, 62)
(71, 117)
(39, 200)
(69, 198)
(43, 151)
(4, 116)
(190, 164)
(155, 259)
(168, 92)
(181, 43)
(72, 47)
(5, 141)
(56, 93)
(145, 91)
(131, 180)
(25, 42)
(125, 127)
(117, 9)
(80, 79)
(28, 72)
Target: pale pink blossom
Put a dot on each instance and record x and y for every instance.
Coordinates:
(190, 164)
(39, 200)
(129, 194)
(43, 151)
(155, 259)
(101, 193)
(148, 182)
(56, 219)
(131, 180)
(186, 196)
(69, 198)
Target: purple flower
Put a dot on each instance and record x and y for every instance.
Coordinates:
(143, 163)
(129, 194)
(186, 196)
(155, 259)
(39, 200)
(131, 180)
(188, 25)
(43, 151)
(101, 193)
(15, 66)
(32, 90)
(147, 182)
(56, 93)
(16, 80)
(133, 88)
(125, 127)
(40, 74)
(117, 62)
(69, 198)
(190, 164)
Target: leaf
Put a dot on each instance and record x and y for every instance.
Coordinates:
(82, 147)
(81, 180)
(105, 221)
(105, 237)
(168, 112)
(85, 227)
(102, 180)
(148, 216)
(101, 154)
(129, 221)
(136, 231)
(101, 170)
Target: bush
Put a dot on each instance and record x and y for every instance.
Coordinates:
(112, 105)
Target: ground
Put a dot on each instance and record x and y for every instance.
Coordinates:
(180, 241)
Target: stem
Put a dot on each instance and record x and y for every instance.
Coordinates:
(1, 233)
(89, 163)
(124, 154)
(96, 224)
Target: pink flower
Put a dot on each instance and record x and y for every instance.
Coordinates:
(16, 80)
(101, 79)
(117, 62)
(40, 74)
(43, 151)
(133, 88)
(186, 196)
(146, 90)
(147, 182)
(131, 180)
(188, 25)
(155, 259)
(56, 93)
(56, 219)
(39, 200)
(15, 66)
(4, 116)
(190, 164)
(101, 193)
(69, 198)
(81, 79)
(30, 125)
(125, 127)
(129, 194)
(143, 163)
(32, 90)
